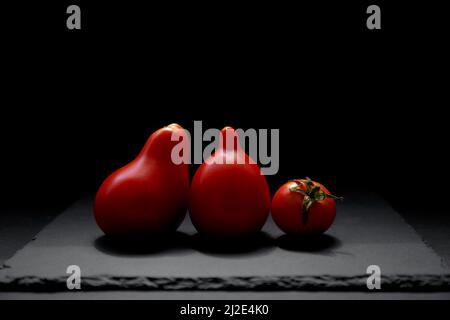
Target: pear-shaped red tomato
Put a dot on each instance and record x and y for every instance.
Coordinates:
(303, 207)
(229, 196)
(148, 196)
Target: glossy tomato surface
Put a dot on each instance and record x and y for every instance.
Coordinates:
(148, 196)
(288, 213)
(229, 197)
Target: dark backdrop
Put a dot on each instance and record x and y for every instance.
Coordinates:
(356, 108)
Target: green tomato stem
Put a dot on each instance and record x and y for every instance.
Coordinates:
(311, 195)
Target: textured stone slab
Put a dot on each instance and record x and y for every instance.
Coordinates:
(367, 231)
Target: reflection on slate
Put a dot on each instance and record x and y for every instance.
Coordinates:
(367, 232)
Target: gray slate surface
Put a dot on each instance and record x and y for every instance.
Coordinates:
(367, 231)
(18, 226)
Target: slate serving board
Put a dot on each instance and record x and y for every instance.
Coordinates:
(367, 231)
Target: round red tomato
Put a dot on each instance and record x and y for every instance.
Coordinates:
(303, 207)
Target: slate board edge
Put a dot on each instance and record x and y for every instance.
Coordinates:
(389, 283)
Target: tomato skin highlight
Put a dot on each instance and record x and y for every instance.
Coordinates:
(147, 197)
(229, 199)
(287, 211)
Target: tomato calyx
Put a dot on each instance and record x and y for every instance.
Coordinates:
(311, 194)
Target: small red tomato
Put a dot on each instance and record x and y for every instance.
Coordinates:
(303, 207)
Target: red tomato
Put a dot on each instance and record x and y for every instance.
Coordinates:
(303, 207)
(149, 195)
(229, 199)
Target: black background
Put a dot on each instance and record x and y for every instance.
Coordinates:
(278, 309)
(356, 108)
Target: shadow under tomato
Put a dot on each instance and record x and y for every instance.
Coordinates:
(323, 243)
(257, 244)
(175, 243)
